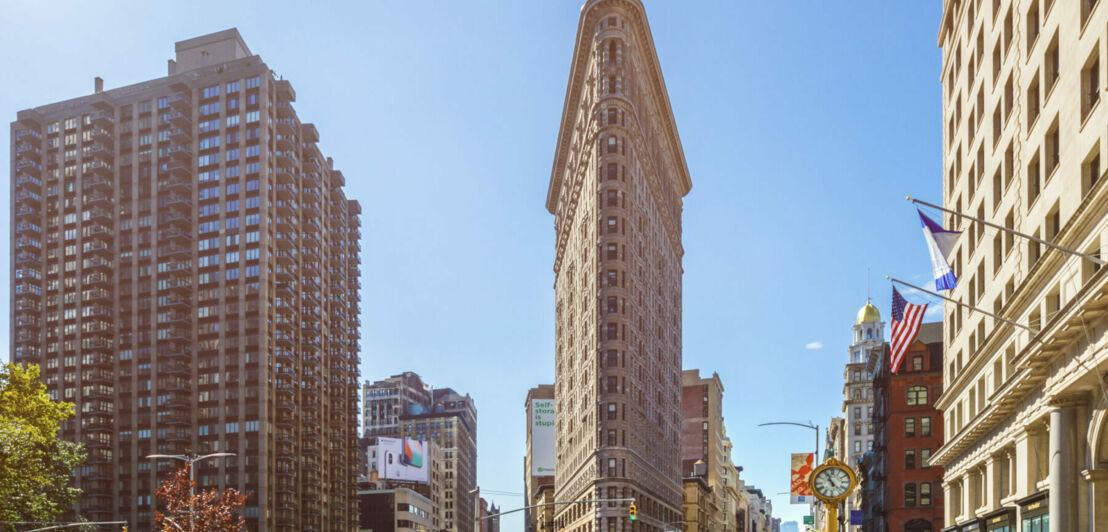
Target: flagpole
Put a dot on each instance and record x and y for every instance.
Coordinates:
(959, 303)
(1009, 230)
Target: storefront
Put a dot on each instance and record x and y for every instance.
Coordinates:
(977, 525)
(1003, 520)
(1035, 513)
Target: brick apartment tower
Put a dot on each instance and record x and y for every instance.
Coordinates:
(186, 271)
(616, 190)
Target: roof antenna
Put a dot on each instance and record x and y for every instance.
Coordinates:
(867, 284)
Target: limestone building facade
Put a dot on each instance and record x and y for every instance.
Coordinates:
(1023, 143)
(616, 189)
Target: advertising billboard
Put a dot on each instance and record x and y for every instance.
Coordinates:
(403, 459)
(799, 492)
(542, 437)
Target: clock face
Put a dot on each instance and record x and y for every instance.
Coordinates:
(832, 482)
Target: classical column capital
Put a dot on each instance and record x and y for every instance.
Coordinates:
(1069, 400)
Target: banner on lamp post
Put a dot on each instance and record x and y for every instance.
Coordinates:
(799, 492)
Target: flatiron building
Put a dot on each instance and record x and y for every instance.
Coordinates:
(616, 190)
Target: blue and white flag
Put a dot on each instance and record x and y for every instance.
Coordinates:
(939, 243)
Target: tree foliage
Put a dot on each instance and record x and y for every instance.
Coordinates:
(36, 468)
(214, 511)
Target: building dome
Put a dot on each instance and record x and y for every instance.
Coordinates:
(868, 313)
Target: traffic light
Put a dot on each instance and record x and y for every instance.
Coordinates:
(633, 513)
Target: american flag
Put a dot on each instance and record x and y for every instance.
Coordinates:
(906, 322)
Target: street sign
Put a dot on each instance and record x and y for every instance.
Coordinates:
(855, 517)
(809, 520)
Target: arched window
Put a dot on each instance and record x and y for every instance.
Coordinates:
(917, 395)
(612, 47)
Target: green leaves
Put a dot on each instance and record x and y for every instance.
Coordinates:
(36, 468)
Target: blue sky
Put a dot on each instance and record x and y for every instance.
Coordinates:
(804, 124)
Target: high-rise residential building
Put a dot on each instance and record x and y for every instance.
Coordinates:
(384, 401)
(186, 271)
(1023, 145)
(538, 485)
(451, 425)
(901, 489)
(616, 189)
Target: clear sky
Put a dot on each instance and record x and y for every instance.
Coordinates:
(804, 123)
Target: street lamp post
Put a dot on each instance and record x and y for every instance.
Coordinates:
(476, 508)
(191, 461)
(805, 425)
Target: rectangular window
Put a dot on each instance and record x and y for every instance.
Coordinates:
(909, 494)
(910, 427)
(1034, 102)
(209, 92)
(925, 426)
(1090, 83)
(910, 459)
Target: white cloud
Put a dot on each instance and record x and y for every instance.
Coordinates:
(813, 345)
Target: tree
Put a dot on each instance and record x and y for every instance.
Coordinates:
(214, 511)
(36, 468)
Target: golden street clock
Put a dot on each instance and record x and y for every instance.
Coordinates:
(831, 483)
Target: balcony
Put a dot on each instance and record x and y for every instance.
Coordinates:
(96, 263)
(28, 244)
(178, 399)
(29, 166)
(27, 197)
(175, 302)
(287, 126)
(97, 295)
(180, 136)
(28, 150)
(175, 350)
(174, 235)
(181, 103)
(103, 120)
(174, 251)
(179, 120)
(98, 182)
(102, 216)
(103, 136)
(180, 169)
(175, 200)
(98, 198)
(28, 229)
(176, 417)
(99, 152)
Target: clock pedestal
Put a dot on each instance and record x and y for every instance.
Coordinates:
(830, 494)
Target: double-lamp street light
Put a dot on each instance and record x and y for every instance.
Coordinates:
(191, 460)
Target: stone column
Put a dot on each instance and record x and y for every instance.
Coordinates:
(992, 484)
(1063, 462)
(1021, 464)
(1098, 497)
(948, 509)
